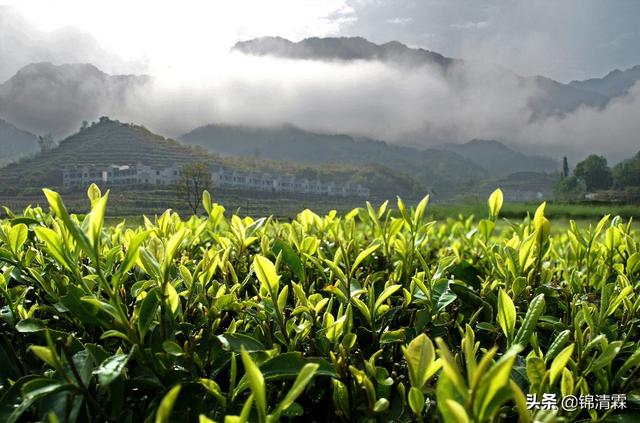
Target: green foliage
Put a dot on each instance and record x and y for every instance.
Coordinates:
(627, 173)
(375, 315)
(594, 172)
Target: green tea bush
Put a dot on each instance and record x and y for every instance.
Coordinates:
(377, 315)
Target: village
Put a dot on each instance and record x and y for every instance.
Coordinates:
(221, 176)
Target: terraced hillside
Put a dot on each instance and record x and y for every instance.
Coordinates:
(105, 142)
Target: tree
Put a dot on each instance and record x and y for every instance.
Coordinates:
(565, 167)
(594, 172)
(194, 180)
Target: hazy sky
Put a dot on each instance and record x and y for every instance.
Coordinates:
(185, 47)
(563, 39)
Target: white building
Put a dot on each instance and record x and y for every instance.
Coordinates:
(148, 175)
(221, 176)
(90, 174)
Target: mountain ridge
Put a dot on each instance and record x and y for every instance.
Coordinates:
(500, 160)
(342, 48)
(553, 97)
(616, 83)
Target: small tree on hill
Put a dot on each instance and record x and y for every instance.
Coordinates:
(194, 180)
(46, 143)
(594, 172)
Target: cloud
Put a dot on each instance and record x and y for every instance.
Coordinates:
(410, 106)
(399, 21)
(471, 25)
(613, 132)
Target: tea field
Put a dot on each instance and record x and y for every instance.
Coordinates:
(377, 314)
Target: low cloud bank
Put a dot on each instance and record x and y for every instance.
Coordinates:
(421, 106)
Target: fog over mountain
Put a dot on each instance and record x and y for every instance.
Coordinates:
(46, 98)
(403, 95)
(21, 44)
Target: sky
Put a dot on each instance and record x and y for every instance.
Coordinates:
(185, 46)
(565, 40)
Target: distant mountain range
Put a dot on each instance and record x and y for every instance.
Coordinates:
(15, 143)
(47, 98)
(343, 48)
(552, 97)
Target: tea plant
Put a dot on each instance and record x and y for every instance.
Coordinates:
(377, 315)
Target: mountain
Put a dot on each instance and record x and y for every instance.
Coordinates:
(550, 97)
(341, 48)
(500, 160)
(47, 98)
(615, 84)
(15, 143)
(104, 142)
(443, 172)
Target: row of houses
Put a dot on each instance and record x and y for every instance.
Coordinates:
(227, 177)
(83, 176)
(221, 176)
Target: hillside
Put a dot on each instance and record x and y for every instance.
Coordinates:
(442, 172)
(46, 98)
(105, 142)
(15, 143)
(500, 160)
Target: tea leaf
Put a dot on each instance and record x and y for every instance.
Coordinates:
(163, 414)
(506, 314)
(559, 363)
